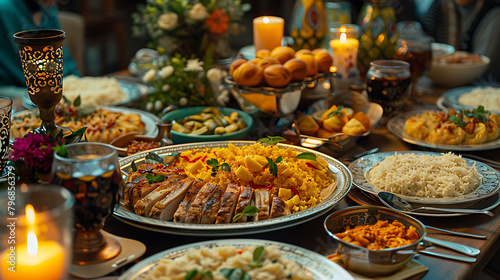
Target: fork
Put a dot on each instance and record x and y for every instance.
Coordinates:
(492, 163)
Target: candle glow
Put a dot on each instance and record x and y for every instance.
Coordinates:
(345, 55)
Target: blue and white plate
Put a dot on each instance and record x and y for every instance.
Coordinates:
(489, 180)
(449, 99)
(316, 266)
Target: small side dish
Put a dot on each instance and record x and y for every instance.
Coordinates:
(459, 58)
(381, 235)
(335, 120)
(138, 146)
(229, 262)
(489, 97)
(210, 121)
(471, 127)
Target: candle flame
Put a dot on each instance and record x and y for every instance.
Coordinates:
(343, 29)
(30, 214)
(343, 38)
(32, 244)
(266, 20)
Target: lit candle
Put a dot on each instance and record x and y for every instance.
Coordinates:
(268, 32)
(34, 259)
(345, 56)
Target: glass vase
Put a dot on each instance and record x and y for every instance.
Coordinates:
(379, 35)
(308, 24)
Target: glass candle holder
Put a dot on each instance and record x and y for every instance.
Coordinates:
(5, 112)
(36, 232)
(42, 62)
(91, 172)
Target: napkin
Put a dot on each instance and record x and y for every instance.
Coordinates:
(412, 268)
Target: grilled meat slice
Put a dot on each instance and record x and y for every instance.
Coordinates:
(144, 205)
(181, 212)
(193, 215)
(212, 207)
(228, 204)
(262, 202)
(129, 188)
(246, 194)
(279, 207)
(165, 208)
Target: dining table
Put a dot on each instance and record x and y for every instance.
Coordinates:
(312, 235)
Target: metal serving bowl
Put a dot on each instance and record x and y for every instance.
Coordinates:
(371, 262)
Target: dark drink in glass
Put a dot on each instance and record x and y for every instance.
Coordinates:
(389, 84)
(91, 172)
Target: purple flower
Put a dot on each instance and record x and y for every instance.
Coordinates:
(35, 150)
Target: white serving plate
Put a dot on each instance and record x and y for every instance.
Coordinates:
(318, 267)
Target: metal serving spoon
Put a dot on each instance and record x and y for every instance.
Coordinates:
(395, 202)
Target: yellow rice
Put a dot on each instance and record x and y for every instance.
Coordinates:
(292, 172)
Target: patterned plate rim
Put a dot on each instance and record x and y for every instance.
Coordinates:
(343, 181)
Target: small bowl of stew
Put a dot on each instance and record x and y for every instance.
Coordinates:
(374, 241)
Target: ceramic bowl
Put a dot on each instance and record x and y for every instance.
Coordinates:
(180, 138)
(456, 74)
(371, 263)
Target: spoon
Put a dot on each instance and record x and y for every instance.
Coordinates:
(395, 202)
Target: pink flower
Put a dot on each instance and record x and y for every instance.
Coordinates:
(35, 150)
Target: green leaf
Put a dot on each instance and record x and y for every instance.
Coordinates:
(207, 274)
(66, 101)
(457, 120)
(75, 136)
(306, 155)
(225, 167)
(237, 274)
(77, 102)
(250, 210)
(279, 159)
(336, 112)
(258, 253)
(153, 158)
(272, 140)
(155, 178)
(133, 166)
(213, 162)
(191, 274)
(61, 151)
(273, 168)
(226, 272)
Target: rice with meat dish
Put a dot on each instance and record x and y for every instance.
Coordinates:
(299, 182)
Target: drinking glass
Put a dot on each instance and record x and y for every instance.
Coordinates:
(92, 173)
(389, 84)
(35, 232)
(5, 111)
(417, 51)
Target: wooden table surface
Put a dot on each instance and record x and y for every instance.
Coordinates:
(311, 235)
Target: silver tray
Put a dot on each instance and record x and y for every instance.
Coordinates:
(489, 180)
(343, 179)
(315, 265)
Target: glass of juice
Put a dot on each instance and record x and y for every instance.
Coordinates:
(91, 172)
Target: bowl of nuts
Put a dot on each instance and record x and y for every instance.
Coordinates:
(274, 81)
(202, 124)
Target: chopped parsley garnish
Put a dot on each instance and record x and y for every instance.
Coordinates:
(214, 163)
(155, 178)
(336, 112)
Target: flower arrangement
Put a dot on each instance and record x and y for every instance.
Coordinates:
(184, 82)
(189, 26)
(33, 154)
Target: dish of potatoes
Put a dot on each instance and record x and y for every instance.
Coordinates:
(337, 119)
(280, 67)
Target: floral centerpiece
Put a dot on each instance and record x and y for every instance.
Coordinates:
(33, 154)
(189, 27)
(184, 82)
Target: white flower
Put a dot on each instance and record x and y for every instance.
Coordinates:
(166, 71)
(149, 106)
(198, 12)
(149, 76)
(158, 105)
(183, 101)
(165, 87)
(223, 97)
(194, 65)
(214, 75)
(168, 21)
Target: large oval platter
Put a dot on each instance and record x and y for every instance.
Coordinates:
(489, 180)
(396, 126)
(316, 266)
(343, 181)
